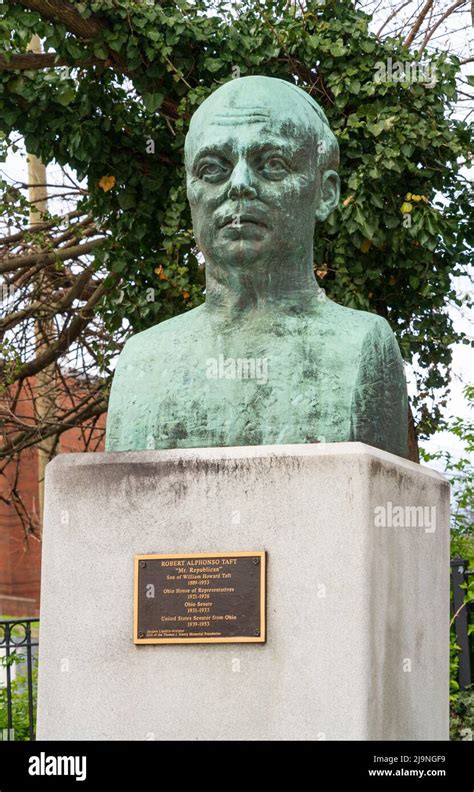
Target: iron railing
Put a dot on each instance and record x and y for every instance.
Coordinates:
(18, 647)
(461, 613)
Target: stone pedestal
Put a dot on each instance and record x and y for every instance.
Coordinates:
(357, 595)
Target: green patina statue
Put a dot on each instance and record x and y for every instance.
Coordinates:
(267, 358)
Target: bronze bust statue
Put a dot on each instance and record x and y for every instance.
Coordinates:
(268, 358)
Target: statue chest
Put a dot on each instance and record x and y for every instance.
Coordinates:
(221, 394)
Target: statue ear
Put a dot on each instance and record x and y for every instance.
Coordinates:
(330, 191)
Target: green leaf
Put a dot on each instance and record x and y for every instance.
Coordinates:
(100, 51)
(377, 200)
(66, 96)
(338, 49)
(376, 128)
(127, 199)
(153, 101)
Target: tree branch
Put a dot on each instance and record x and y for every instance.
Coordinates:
(30, 437)
(419, 21)
(48, 60)
(64, 12)
(13, 263)
(391, 16)
(68, 335)
(85, 28)
(447, 13)
(57, 220)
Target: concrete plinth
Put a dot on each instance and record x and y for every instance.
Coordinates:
(357, 595)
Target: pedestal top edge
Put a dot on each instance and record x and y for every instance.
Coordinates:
(235, 453)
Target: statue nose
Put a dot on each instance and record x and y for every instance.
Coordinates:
(241, 182)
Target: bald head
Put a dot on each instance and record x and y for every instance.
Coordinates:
(270, 102)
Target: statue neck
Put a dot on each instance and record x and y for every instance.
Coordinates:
(233, 291)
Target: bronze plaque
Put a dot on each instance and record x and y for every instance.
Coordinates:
(200, 598)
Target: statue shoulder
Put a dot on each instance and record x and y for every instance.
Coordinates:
(381, 338)
(379, 406)
(362, 325)
(170, 332)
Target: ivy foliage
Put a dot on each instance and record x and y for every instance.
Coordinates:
(120, 124)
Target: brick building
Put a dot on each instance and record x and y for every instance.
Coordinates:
(20, 556)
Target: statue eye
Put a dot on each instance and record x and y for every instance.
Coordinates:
(274, 168)
(212, 171)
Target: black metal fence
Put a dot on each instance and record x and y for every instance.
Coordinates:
(18, 662)
(461, 614)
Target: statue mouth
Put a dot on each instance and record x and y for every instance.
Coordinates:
(237, 220)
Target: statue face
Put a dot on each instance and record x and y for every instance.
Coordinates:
(252, 175)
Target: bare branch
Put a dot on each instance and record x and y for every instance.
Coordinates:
(13, 238)
(391, 16)
(14, 262)
(68, 335)
(31, 437)
(419, 21)
(446, 14)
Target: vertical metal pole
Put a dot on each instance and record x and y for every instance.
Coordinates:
(30, 680)
(458, 569)
(9, 682)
